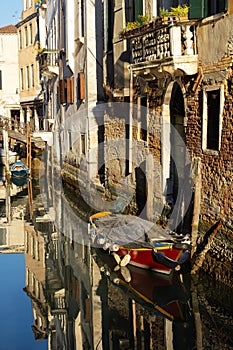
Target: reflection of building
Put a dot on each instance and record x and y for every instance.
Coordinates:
(10, 238)
(12, 210)
(35, 255)
(149, 311)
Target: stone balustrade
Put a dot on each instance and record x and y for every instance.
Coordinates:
(176, 39)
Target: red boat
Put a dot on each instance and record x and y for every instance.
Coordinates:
(135, 241)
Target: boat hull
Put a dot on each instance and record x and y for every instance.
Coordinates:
(145, 258)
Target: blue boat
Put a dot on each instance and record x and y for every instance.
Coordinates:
(19, 169)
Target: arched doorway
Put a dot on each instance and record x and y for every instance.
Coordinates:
(179, 162)
(177, 140)
(176, 163)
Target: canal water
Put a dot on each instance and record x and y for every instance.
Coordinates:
(58, 292)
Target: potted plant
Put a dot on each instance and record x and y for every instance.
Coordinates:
(180, 11)
(131, 26)
(175, 12)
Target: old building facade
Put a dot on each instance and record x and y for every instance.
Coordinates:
(9, 81)
(29, 87)
(145, 112)
(180, 81)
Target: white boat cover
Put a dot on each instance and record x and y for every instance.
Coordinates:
(125, 229)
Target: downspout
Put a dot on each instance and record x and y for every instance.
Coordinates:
(61, 57)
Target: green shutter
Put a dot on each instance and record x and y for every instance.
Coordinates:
(198, 8)
(223, 5)
(138, 8)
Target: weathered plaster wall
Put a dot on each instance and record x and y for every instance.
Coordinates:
(215, 39)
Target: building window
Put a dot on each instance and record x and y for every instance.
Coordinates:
(32, 75)
(212, 118)
(0, 80)
(20, 40)
(26, 36)
(82, 18)
(28, 77)
(30, 34)
(142, 118)
(83, 144)
(21, 79)
(203, 8)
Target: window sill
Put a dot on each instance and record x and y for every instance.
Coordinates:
(210, 152)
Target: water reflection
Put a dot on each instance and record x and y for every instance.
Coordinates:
(79, 300)
(145, 300)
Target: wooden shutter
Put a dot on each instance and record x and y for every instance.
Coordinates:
(222, 5)
(70, 90)
(81, 79)
(198, 9)
(138, 8)
(62, 91)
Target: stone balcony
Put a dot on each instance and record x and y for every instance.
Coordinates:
(49, 62)
(164, 47)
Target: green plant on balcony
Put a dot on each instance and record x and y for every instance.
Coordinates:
(142, 20)
(164, 12)
(180, 11)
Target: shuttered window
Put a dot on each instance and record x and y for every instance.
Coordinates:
(205, 8)
(65, 91)
(62, 92)
(81, 80)
(70, 90)
(138, 8)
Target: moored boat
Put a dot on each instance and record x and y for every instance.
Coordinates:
(139, 242)
(19, 169)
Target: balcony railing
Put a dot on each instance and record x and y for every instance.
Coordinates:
(49, 62)
(174, 42)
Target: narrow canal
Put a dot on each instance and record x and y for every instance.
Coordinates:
(57, 292)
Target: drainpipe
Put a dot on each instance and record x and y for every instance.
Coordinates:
(61, 57)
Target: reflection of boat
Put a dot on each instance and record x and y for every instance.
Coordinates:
(139, 242)
(19, 181)
(166, 295)
(19, 169)
(12, 157)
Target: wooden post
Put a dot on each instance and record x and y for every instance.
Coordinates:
(201, 257)
(196, 174)
(29, 164)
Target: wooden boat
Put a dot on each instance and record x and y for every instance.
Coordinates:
(135, 241)
(165, 295)
(19, 169)
(12, 157)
